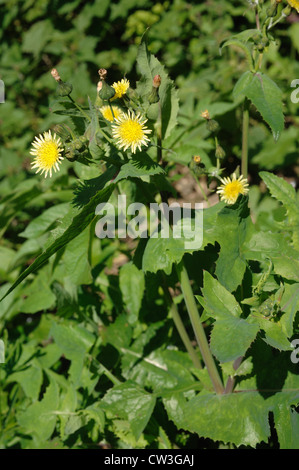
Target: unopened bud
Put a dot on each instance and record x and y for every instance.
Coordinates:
(287, 11)
(64, 88)
(212, 125)
(197, 159)
(220, 152)
(61, 131)
(153, 96)
(272, 10)
(106, 91)
(157, 81)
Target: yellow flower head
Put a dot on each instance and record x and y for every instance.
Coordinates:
(107, 113)
(231, 188)
(129, 131)
(46, 149)
(294, 4)
(120, 88)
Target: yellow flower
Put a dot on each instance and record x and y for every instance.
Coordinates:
(231, 188)
(107, 113)
(129, 131)
(294, 4)
(120, 88)
(46, 150)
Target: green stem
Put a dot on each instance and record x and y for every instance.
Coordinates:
(103, 370)
(245, 130)
(198, 329)
(159, 136)
(179, 325)
(79, 108)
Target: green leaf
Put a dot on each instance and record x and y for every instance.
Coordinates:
(217, 300)
(266, 96)
(149, 66)
(284, 192)
(287, 427)
(75, 264)
(75, 223)
(246, 413)
(74, 342)
(232, 226)
(35, 301)
(131, 283)
(275, 335)
(130, 402)
(39, 419)
(161, 253)
(231, 335)
(139, 166)
(30, 378)
(289, 306)
(242, 45)
(43, 222)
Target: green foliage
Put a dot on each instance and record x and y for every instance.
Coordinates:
(101, 342)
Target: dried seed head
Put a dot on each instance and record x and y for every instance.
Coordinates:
(55, 75)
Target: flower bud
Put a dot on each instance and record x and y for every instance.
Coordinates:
(157, 81)
(63, 88)
(220, 152)
(153, 96)
(107, 92)
(286, 11)
(212, 125)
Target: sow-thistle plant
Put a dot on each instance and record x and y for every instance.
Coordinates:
(135, 135)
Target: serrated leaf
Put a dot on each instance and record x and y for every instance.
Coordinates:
(231, 335)
(130, 402)
(30, 378)
(39, 419)
(231, 229)
(287, 427)
(162, 253)
(266, 96)
(139, 166)
(286, 194)
(246, 413)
